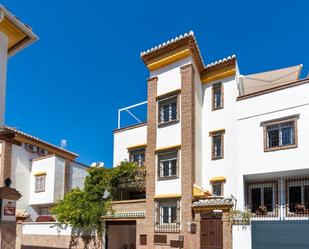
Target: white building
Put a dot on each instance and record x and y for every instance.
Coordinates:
(216, 141)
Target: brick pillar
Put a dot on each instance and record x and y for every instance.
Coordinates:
(6, 162)
(151, 159)
(187, 150)
(227, 231)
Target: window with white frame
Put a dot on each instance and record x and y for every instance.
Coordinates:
(167, 212)
(40, 183)
(298, 195)
(168, 109)
(262, 197)
(280, 134)
(167, 164)
(137, 156)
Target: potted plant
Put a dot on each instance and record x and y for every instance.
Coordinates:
(299, 208)
(262, 210)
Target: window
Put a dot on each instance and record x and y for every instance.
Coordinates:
(40, 183)
(217, 188)
(137, 156)
(262, 197)
(298, 195)
(217, 144)
(167, 164)
(167, 214)
(168, 110)
(281, 134)
(217, 96)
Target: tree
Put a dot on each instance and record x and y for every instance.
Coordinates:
(83, 209)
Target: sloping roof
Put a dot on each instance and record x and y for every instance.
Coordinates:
(36, 139)
(187, 39)
(19, 34)
(269, 79)
(219, 64)
(213, 202)
(125, 215)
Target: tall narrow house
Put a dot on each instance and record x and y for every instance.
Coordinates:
(225, 156)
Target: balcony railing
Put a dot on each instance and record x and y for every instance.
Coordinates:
(167, 228)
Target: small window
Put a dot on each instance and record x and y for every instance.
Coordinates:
(40, 183)
(167, 164)
(217, 96)
(137, 156)
(280, 135)
(168, 110)
(217, 149)
(217, 188)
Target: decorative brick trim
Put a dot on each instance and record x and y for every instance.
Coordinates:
(150, 159)
(187, 149)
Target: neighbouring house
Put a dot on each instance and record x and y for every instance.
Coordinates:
(40, 171)
(215, 141)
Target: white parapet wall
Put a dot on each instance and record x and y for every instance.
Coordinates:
(45, 228)
(242, 237)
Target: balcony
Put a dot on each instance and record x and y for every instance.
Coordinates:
(167, 228)
(280, 198)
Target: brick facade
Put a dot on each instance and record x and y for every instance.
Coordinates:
(6, 161)
(150, 160)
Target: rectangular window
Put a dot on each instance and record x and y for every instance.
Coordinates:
(217, 189)
(217, 144)
(167, 215)
(167, 164)
(217, 96)
(281, 134)
(298, 196)
(262, 197)
(40, 183)
(137, 156)
(168, 110)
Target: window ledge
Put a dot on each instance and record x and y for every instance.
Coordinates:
(286, 147)
(168, 123)
(167, 178)
(217, 158)
(217, 108)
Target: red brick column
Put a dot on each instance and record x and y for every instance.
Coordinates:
(187, 151)
(150, 159)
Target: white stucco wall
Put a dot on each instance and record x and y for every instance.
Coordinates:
(46, 165)
(251, 158)
(215, 120)
(127, 138)
(20, 173)
(241, 237)
(77, 175)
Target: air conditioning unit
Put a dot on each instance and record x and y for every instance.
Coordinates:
(31, 148)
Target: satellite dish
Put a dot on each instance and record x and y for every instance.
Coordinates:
(94, 164)
(101, 164)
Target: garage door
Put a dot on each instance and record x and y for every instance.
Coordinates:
(280, 234)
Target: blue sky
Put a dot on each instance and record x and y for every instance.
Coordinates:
(87, 63)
